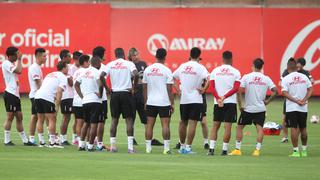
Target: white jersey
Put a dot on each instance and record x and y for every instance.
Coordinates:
(77, 102)
(34, 73)
(157, 76)
(224, 77)
(50, 85)
(191, 75)
(104, 93)
(256, 86)
(10, 78)
(89, 85)
(68, 94)
(296, 84)
(120, 72)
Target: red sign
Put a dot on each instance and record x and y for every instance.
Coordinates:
(53, 27)
(291, 33)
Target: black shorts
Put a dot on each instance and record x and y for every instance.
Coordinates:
(296, 119)
(12, 102)
(138, 104)
(191, 112)
(163, 111)
(247, 118)
(44, 106)
(33, 107)
(121, 103)
(66, 106)
(227, 113)
(92, 112)
(104, 110)
(78, 112)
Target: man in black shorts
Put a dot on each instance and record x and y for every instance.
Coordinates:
(121, 72)
(12, 102)
(297, 88)
(89, 88)
(138, 100)
(255, 85)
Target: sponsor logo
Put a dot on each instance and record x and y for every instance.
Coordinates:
(119, 65)
(158, 40)
(225, 72)
(188, 70)
(257, 81)
(155, 72)
(297, 80)
(312, 53)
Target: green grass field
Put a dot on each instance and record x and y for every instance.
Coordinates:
(22, 162)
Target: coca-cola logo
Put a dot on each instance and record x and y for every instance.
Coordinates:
(310, 54)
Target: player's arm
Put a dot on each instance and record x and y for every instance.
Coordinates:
(78, 90)
(239, 98)
(103, 81)
(58, 98)
(176, 87)
(289, 97)
(214, 91)
(38, 83)
(203, 89)
(145, 93)
(308, 95)
(18, 69)
(171, 97)
(100, 89)
(70, 81)
(232, 91)
(135, 75)
(274, 93)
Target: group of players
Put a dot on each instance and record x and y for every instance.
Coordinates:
(81, 89)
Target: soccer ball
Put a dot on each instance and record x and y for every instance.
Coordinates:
(314, 119)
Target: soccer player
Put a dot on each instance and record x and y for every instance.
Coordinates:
(67, 97)
(191, 75)
(47, 101)
(138, 100)
(120, 71)
(255, 85)
(99, 52)
(89, 89)
(297, 88)
(301, 62)
(77, 102)
(35, 77)
(157, 91)
(225, 81)
(10, 70)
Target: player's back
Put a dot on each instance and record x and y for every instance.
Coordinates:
(89, 84)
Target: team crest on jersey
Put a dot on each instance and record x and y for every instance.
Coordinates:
(189, 70)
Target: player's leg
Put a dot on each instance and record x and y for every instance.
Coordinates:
(126, 106)
(292, 122)
(165, 116)
(149, 133)
(195, 115)
(183, 124)
(226, 137)
(52, 128)
(217, 118)
(304, 134)
(7, 128)
(33, 122)
(115, 108)
(101, 123)
(41, 119)
(74, 131)
(66, 116)
(284, 126)
(204, 126)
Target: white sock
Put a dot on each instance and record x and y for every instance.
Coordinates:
(74, 137)
(238, 145)
(212, 144)
(113, 142)
(295, 148)
(130, 142)
(52, 139)
(90, 146)
(225, 146)
(41, 138)
(166, 146)
(304, 148)
(82, 144)
(148, 145)
(6, 136)
(31, 139)
(182, 146)
(258, 146)
(78, 139)
(205, 141)
(99, 144)
(188, 147)
(23, 137)
(63, 138)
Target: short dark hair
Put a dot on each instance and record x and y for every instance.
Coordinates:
(301, 61)
(227, 55)
(98, 51)
(11, 51)
(195, 53)
(76, 55)
(291, 64)
(161, 54)
(83, 58)
(64, 53)
(258, 63)
(119, 53)
(39, 50)
(61, 65)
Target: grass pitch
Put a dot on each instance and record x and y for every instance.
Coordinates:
(20, 162)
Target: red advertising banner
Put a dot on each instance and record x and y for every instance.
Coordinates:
(178, 30)
(53, 27)
(292, 33)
